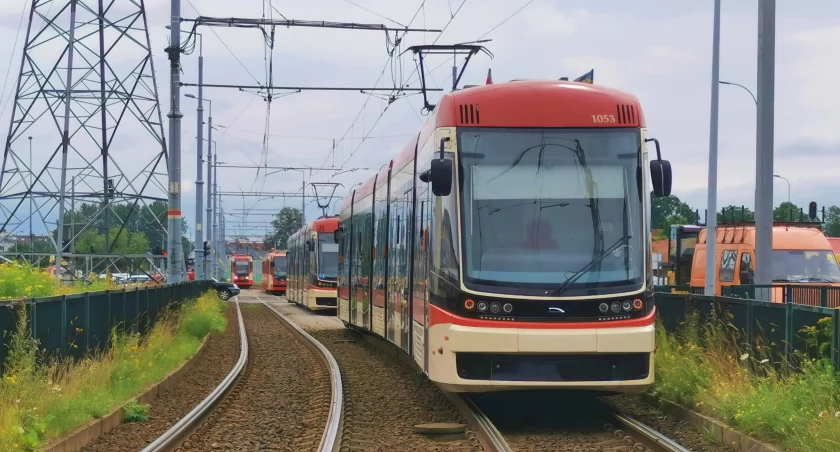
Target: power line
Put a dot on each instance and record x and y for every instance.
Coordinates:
(364, 106)
(506, 19)
(376, 13)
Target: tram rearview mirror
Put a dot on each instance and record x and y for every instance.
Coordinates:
(440, 174)
(441, 177)
(337, 235)
(660, 176)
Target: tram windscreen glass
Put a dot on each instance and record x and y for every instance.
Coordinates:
(540, 204)
(805, 266)
(279, 266)
(241, 267)
(328, 257)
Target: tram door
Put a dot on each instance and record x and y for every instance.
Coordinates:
(404, 294)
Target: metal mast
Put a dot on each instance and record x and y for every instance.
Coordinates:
(86, 91)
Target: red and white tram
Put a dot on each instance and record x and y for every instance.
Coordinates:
(507, 246)
(242, 270)
(274, 272)
(313, 265)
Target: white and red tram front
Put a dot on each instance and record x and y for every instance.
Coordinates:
(529, 265)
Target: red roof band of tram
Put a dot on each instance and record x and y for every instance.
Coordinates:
(524, 104)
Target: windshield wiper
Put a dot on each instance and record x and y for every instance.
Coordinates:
(588, 266)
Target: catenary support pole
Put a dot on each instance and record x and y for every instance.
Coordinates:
(764, 144)
(209, 149)
(711, 221)
(199, 184)
(176, 251)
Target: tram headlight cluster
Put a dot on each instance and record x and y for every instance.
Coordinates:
(624, 306)
(494, 307)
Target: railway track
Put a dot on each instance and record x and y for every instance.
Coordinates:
(525, 422)
(284, 393)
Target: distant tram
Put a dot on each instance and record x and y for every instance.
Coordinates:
(507, 246)
(274, 272)
(313, 265)
(242, 270)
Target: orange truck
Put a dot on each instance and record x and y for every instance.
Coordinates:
(802, 256)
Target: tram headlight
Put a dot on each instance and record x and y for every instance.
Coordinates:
(616, 307)
(482, 306)
(495, 307)
(638, 304)
(603, 307)
(469, 304)
(627, 306)
(508, 308)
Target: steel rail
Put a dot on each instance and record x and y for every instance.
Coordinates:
(193, 418)
(651, 435)
(487, 431)
(330, 439)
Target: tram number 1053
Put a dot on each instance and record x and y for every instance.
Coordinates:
(603, 118)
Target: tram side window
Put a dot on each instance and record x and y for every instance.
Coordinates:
(727, 265)
(747, 272)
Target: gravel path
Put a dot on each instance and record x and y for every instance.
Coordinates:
(384, 398)
(221, 353)
(282, 400)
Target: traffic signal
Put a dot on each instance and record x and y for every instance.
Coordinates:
(206, 247)
(812, 210)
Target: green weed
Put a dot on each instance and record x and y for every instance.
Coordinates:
(794, 403)
(136, 412)
(42, 398)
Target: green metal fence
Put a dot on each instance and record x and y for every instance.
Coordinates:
(778, 325)
(71, 325)
(810, 295)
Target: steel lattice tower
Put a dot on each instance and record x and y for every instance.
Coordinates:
(87, 92)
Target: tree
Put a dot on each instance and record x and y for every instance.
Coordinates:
(788, 211)
(735, 213)
(831, 228)
(668, 210)
(287, 221)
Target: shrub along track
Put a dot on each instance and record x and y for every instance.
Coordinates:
(384, 399)
(222, 351)
(281, 401)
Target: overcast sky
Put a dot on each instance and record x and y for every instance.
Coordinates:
(659, 50)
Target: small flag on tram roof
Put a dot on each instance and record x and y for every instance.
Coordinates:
(586, 78)
(489, 77)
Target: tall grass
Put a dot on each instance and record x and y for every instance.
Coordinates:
(41, 399)
(793, 403)
(17, 282)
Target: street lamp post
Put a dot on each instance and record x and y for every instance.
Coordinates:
(711, 221)
(199, 183)
(742, 87)
(788, 184)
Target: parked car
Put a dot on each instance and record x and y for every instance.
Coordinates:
(225, 289)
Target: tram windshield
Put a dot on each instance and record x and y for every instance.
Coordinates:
(241, 268)
(540, 204)
(328, 255)
(279, 266)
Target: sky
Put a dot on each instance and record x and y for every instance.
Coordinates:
(659, 50)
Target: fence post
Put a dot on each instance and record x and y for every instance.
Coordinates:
(87, 320)
(788, 329)
(835, 338)
(750, 320)
(64, 325)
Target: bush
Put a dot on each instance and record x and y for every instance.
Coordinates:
(795, 403)
(42, 398)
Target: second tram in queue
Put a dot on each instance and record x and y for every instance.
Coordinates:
(242, 270)
(274, 272)
(313, 265)
(508, 246)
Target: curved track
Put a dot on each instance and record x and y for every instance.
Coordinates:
(519, 422)
(214, 419)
